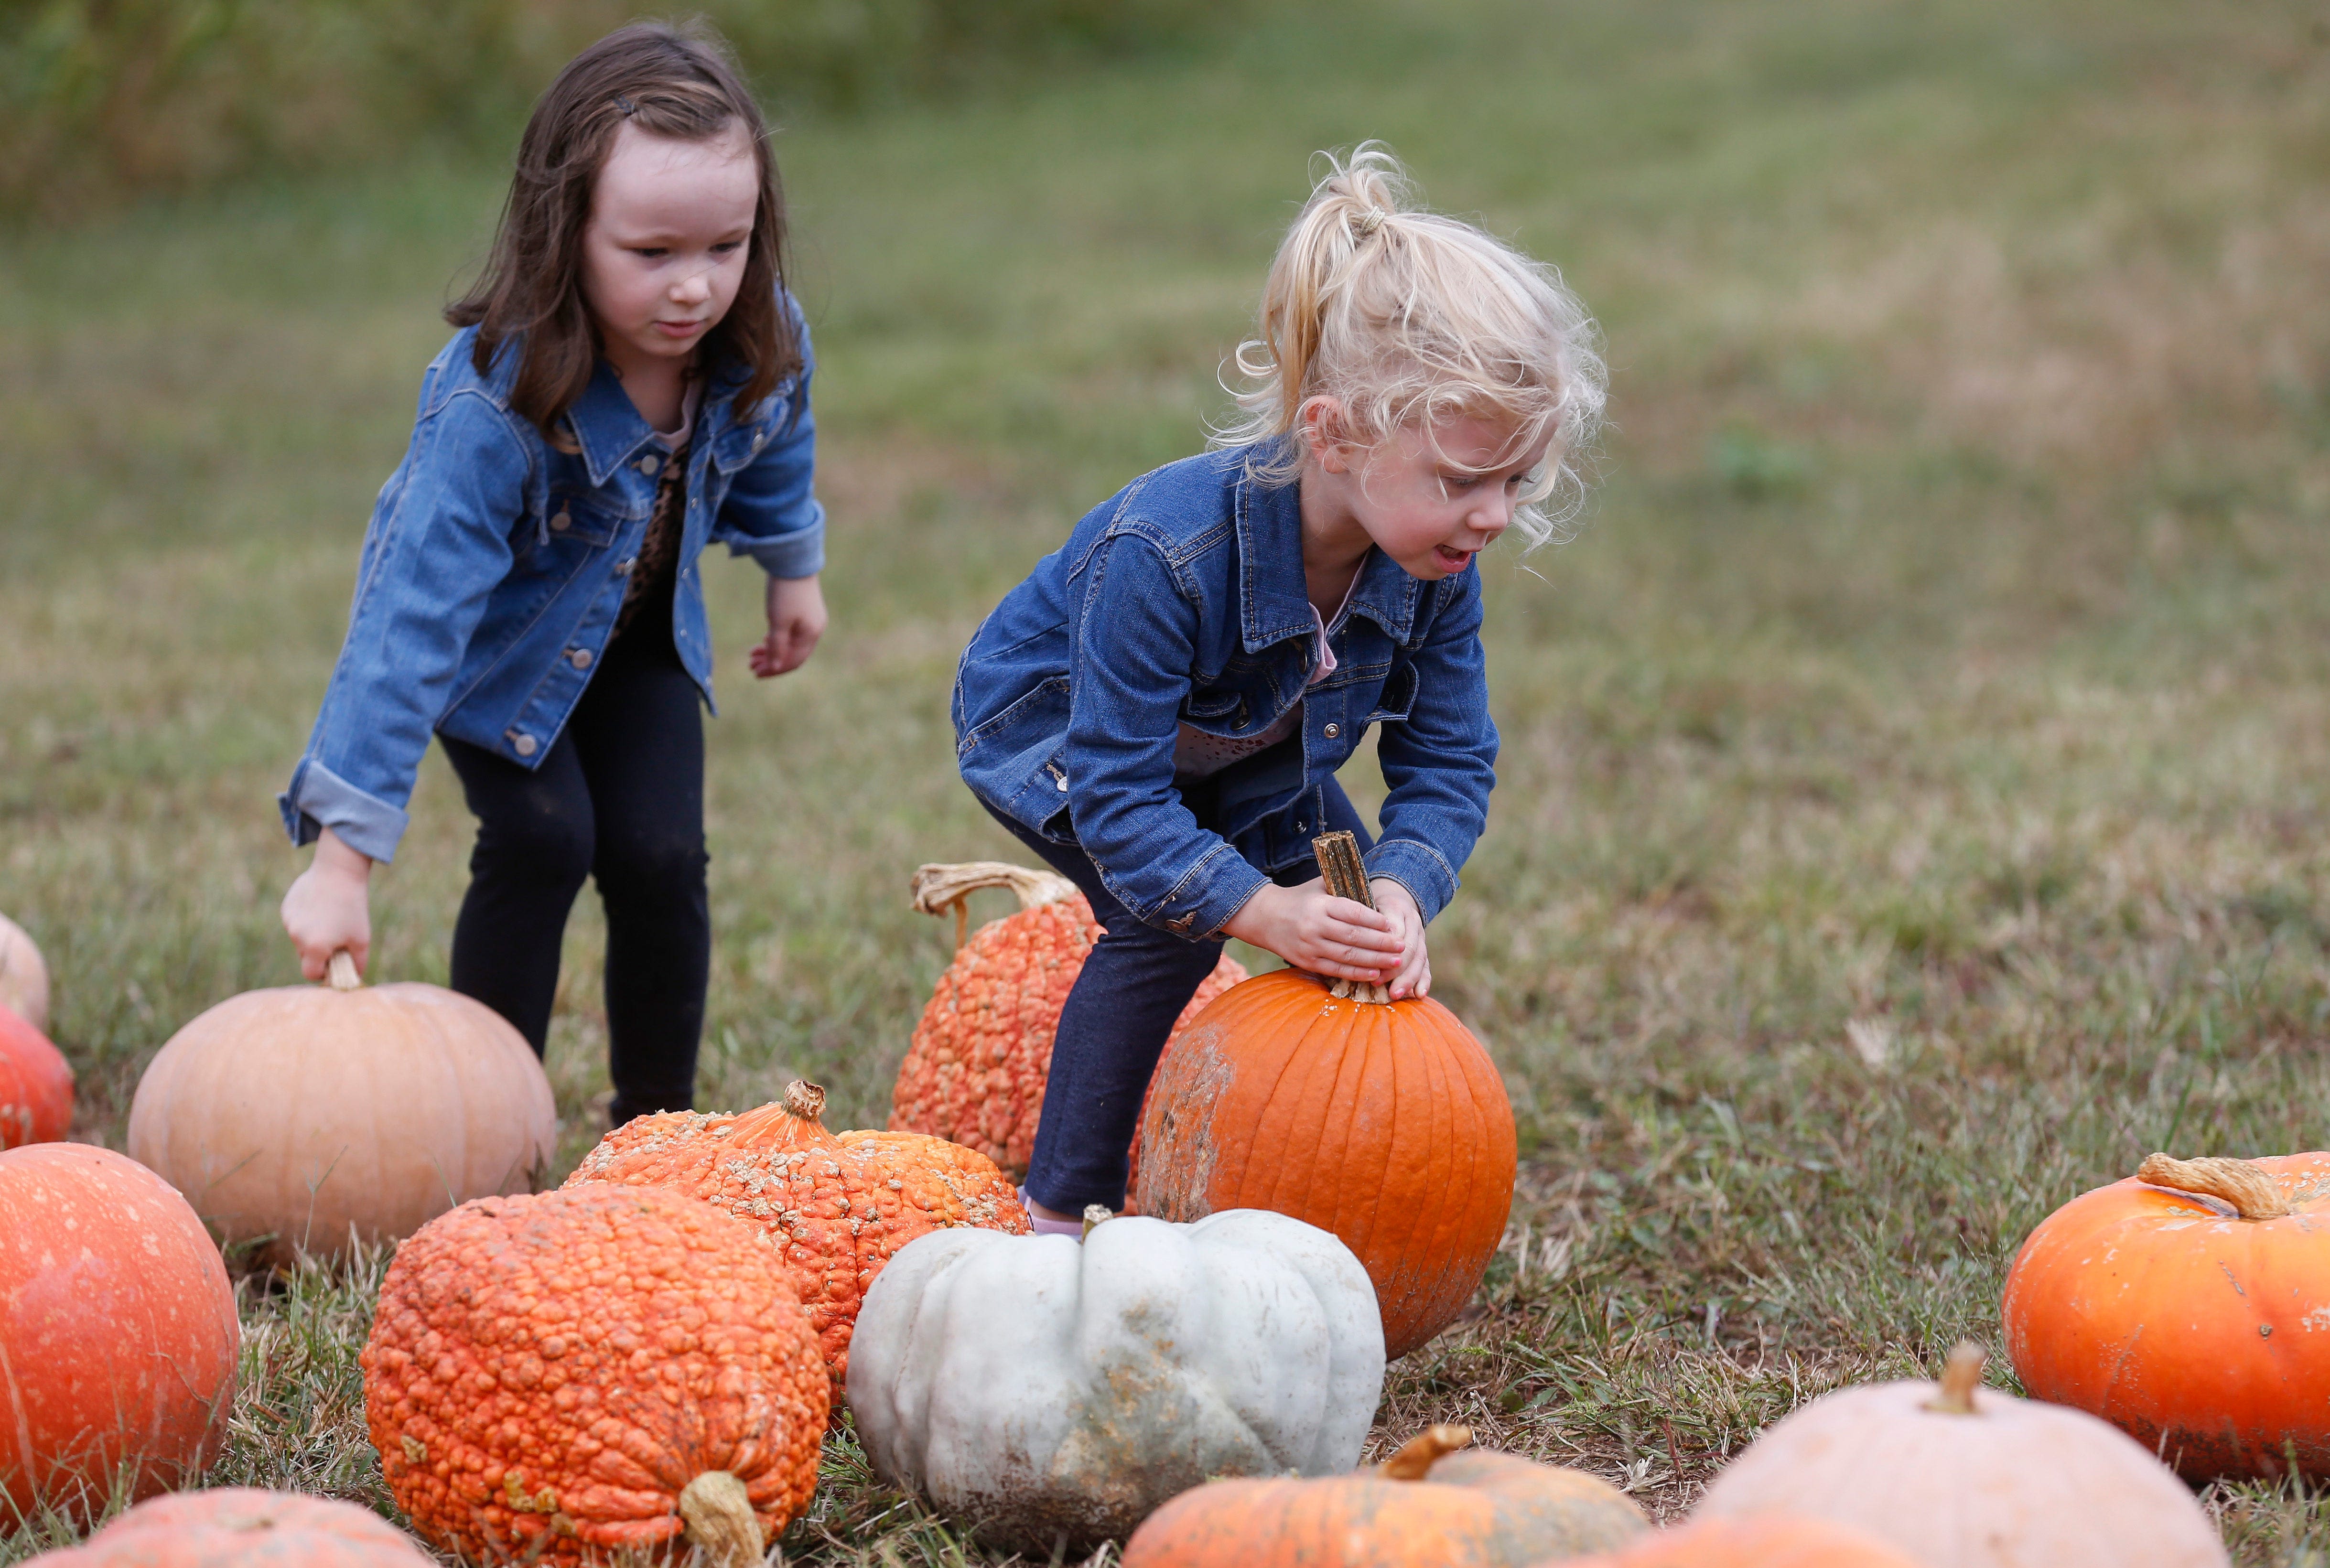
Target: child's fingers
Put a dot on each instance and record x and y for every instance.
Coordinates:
(1351, 912)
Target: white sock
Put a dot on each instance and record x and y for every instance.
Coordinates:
(1043, 1227)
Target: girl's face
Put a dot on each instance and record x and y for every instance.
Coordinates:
(664, 249)
(1432, 499)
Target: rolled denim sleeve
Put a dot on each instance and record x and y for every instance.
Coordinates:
(1129, 671)
(1440, 763)
(772, 513)
(433, 554)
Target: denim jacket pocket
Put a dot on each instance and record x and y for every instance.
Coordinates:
(1398, 698)
(579, 518)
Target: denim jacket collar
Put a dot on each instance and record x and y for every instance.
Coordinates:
(609, 426)
(1277, 599)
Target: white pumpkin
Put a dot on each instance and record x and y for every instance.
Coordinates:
(24, 976)
(1056, 1393)
(1962, 1476)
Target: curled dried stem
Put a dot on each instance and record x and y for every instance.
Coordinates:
(1418, 1454)
(2253, 1194)
(1961, 1376)
(941, 886)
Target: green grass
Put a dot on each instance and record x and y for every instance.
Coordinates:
(1911, 809)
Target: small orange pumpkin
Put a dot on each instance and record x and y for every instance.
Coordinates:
(2190, 1307)
(246, 1527)
(1384, 1122)
(557, 1377)
(975, 1072)
(118, 1331)
(1428, 1502)
(1773, 1541)
(836, 1206)
(36, 1085)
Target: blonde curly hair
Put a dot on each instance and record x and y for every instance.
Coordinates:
(1409, 320)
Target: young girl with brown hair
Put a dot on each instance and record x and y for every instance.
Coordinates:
(630, 382)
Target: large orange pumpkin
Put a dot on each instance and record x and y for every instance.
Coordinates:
(118, 1331)
(555, 1376)
(836, 1206)
(1773, 1541)
(1384, 1122)
(312, 1115)
(975, 1071)
(24, 976)
(2190, 1307)
(243, 1528)
(1428, 1502)
(36, 1085)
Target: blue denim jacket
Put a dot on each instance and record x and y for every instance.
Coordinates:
(1181, 601)
(495, 564)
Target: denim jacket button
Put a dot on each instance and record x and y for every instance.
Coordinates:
(523, 745)
(623, 567)
(1332, 730)
(649, 464)
(579, 659)
(563, 522)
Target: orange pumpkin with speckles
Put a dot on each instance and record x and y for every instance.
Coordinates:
(36, 1085)
(556, 1377)
(118, 1332)
(836, 1206)
(976, 1069)
(246, 1527)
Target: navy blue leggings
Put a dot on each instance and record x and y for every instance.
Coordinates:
(1119, 1015)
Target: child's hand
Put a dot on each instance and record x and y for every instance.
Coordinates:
(1415, 975)
(796, 620)
(329, 907)
(1313, 929)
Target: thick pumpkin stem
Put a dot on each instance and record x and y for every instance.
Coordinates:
(1346, 875)
(1095, 1216)
(805, 1100)
(720, 1521)
(342, 971)
(1961, 1376)
(1418, 1454)
(939, 886)
(2253, 1194)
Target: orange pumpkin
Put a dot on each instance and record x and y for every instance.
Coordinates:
(245, 1528)
(1770, 1542)
(1428, 1502)
(1384, 1122)
(24, 976)
(2190, 1307)
(556, 1377)
(36, 1085)
(836, 1206)
(312, 1116)
(976, 1069)
(118, 1331)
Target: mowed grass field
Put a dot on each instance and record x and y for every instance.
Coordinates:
(1915, 773)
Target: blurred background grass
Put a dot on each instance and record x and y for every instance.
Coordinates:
(1912, 809)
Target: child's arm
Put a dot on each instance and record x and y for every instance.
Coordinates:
(329, 907)
(796, 607)
(772, 514)
(1439, 765)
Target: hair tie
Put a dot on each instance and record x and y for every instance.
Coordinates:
(1371, 221)
(626, 105)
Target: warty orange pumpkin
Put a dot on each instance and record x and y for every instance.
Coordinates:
(1384, 1122)
(24, 976)
(36, 1085)
(1772, 1541)
(1428, 1502)
(118, 1331)
(975, 1072)
(555, 1376)
(309, 1117)
(243, 1528)
(836, 1206)
(2190, 1307)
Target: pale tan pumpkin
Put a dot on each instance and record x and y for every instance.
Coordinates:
(312, 1115)
(24, 976)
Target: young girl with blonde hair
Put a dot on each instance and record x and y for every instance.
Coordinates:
(1159, 709)
(629, 383)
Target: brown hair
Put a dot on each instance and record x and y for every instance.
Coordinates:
(673, 84)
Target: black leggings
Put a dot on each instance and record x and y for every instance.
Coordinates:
(619, 798)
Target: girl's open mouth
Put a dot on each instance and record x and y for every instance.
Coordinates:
(1456, 561)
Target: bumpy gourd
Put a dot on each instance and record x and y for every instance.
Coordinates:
(2189, 1306)
(118, 1332)
(1051, 1394)
(243, 1528)
(555, 1376)
(837, 1206)
(976, 1069)
(1429, 1503)
(1384, 1122)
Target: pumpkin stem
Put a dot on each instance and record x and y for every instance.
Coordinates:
(1427, 1447)
(938, 887)
(1095, 1216)
(2253, 1194)
(342, 971)
(1346, 876)
(1961, 1376)
(805, 1100)
(720, 1521)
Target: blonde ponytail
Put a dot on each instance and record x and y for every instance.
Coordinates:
(1408, 320)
